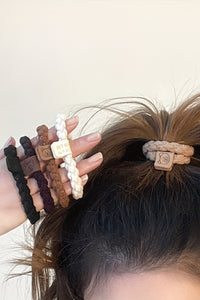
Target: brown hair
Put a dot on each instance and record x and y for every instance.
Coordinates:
(132, 217)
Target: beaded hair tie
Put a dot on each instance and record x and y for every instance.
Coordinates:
(31, 168)
(44, 155)
(13, 165)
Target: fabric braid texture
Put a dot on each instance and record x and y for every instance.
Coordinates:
(182, 153)
(39, 177)
(13, 164)
(52, 169)
(69, 162)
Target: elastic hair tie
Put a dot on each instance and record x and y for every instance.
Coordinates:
(13, 165)
(166, 154)
(44, 154)
(31, 168)
(61, 149)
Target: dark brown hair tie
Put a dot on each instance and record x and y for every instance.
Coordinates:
(13, 165)
(44, 155)
(31, 168)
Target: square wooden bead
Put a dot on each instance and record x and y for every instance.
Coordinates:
(30, 165)
(44, 152)
(61, 149)
(164, 161)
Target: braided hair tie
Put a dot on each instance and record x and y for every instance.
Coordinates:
(31, 168)
(13, 165)
(166, 154)
(61, 149)
(44, 154)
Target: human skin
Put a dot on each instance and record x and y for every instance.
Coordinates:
(156, 285)
(11, 210)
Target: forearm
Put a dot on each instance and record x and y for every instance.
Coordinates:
(11, 209)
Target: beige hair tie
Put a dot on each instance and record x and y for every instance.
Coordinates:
(61, 149)
(166, 154)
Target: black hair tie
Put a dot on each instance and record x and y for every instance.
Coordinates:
(37, 175)
(14, 166)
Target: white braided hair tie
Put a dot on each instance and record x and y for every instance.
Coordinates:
(166, 154)
(61, 149)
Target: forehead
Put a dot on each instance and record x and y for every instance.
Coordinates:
(165, 285)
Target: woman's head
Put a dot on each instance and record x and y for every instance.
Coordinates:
(133, 220)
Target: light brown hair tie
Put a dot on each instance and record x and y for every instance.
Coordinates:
(44, 154)
(166, 154)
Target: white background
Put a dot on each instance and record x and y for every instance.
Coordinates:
(57, 55)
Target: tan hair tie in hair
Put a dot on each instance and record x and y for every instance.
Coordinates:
(166, 154)
(44, 155)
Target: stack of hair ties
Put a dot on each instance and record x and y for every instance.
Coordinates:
(40, 160)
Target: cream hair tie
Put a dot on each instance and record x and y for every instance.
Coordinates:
(165, 154)
(61, 149)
